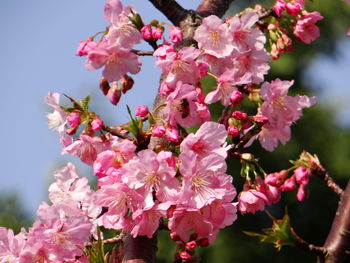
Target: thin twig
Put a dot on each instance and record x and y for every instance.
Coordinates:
(302, 244)
(115, 132)
(142, 53)
(322, 173)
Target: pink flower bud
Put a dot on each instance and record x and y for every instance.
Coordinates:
(279, 7)
(126, 83)
(165, 89)
(293, 8)
(141, 111)
(276, 179)
(301, 195)
(104, 85)
(175, 35)
(204, 242)
(238, 115)
(172, 135)
(97, 123)
(302, 175)
(233, 131)
(158, 131)
(185, 255)
(236, 97)
(288, 185)
(191, 245)
(146, 32)
(114, 94)
(175, 236)
(157, 33)
(73, 119)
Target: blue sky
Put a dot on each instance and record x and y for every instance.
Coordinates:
(39, 39)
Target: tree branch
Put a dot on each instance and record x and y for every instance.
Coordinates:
(140, 249)
(171, 9)
(338, 240)
(322, 173)
(213, 7)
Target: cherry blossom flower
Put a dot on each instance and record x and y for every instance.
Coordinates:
(305, 28)
(213, 37)
(175, 35)
(11, 246)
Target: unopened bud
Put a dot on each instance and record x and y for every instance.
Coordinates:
(141, 111)
(175, 236)
(72, 130)
(114, 93)
(73, 119)
(158, 131)
(185, 255)
(104, 85)
(126, 83)
(302, 194)
(233, 131)
(191, 245)
(238, 115)
(247, 157)
(204, 242)
(236, 97)
(288, 185)
(97, 123)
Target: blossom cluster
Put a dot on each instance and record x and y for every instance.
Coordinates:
(183, 182)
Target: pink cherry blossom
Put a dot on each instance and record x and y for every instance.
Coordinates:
(117, 61)
(146, 32)
(244, 36)
(158, 131)
(302, 193)
(302, 175)
(157, 33)
(204, 180)
(146, 173)
(181, 107)
(209, 138)
(216, 65)
(56, 119)
(112, 10)
(85, 46)
(271, 135)
(11, 246)
(213, 37)
(293, 8)
(305, 28)
(251, 201)
(279, 7)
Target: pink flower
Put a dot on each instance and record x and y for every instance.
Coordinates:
(244, 37)
(175, 35)
(279, 7)
(214, 37)
(191, 245)
(209, 138)
(305, 28)
(141, 111)
(233, 131)
(302, 193)
(251, 201)
(271, 135)
(146, 32)
(236, 97)
(181, 107)
(148, 174)
(117, 61)
(288, 185)
(58, 118)
(73, 119)
(185, 255)
(280, 108)
(204, 180)
(85, 46)
(179, 66)
(157, 33)
(97, 123)
(11, 246)
(112, 10)
(293, 8)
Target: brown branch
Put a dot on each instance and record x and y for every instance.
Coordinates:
(322, 173)
(115, 132)
(142, 53)
(338, 240)
(302, 244)
(213, 7)
(171, 9)
(140, 249)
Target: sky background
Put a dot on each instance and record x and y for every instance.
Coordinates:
(39, 40)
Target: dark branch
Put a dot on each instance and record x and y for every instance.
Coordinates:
(140, 249)
(142, 53)
(302, 244)
(171, 9)
(115, 132)
(213, 7)
(338, 240)
(322, 173)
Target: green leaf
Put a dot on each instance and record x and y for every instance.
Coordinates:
(96, 253)
(85, 103)
(279, 234)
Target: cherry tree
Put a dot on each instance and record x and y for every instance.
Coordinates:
(165, 170)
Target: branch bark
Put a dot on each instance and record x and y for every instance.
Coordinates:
(171, 9)
(338, 240)
(213, 7)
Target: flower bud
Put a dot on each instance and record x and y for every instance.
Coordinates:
(204, 242)
(288, 185)
(85, 46)
(293, 8)
(104, 85)
(114, 93)
(185, 255)
(279, 7)
(236, 97)
(141, 111)
(73, 119)
(191, 245)
(238, 115)
(126, 83)
(146, 32)
(302, 175)
(233, 131)
(97, 123)
(175, 236)
(302, 194)
(157, 33)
